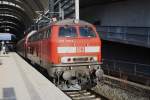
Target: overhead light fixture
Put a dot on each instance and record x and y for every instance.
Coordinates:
(7, 29)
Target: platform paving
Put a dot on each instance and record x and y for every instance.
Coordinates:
(20, 81)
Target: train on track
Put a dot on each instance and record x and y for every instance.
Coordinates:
(70, 51)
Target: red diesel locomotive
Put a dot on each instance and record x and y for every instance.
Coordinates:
(69, 51)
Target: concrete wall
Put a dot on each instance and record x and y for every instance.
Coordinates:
(126, 13)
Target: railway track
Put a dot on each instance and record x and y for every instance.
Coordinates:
(109, 90)
(112, 88)
(85, 95)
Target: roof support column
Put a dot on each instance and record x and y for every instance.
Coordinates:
(77, 16)
(60, 11)
(51, 8)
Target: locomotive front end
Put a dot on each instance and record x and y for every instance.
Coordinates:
(78, 54)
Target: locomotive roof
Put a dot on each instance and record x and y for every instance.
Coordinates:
(72, 22)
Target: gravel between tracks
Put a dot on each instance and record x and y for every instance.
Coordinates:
(114, 93)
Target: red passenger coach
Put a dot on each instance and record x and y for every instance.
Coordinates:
(22, 44)
(67, 50)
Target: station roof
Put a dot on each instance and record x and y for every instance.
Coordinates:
(17, 15)
(72, 22)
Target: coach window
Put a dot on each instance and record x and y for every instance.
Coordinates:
(48, 33)
(87, 32)
(44, 35)
(36, 37)
(40, 36)
(29, 39)
(33, 38)
(67, 32)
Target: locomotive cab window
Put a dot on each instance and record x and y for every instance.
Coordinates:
(67, 32)
(87, 32)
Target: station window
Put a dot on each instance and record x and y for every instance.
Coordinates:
(87, 32)
(67, 32)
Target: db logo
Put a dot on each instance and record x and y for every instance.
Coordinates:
(80, 49)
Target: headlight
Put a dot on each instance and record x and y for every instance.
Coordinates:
(93, 59)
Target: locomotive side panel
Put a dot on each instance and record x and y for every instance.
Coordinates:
(45, 45)
(53, 47)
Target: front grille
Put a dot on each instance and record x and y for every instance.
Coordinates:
(80, 59)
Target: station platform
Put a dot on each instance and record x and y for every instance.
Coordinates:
(20, 81)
